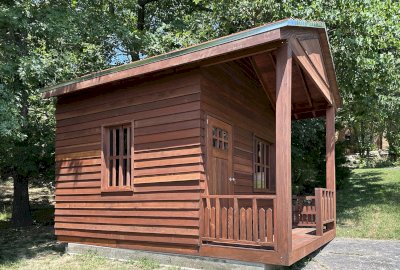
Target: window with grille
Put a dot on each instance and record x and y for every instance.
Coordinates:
(220, 138)
(117, 149)
(261, 165)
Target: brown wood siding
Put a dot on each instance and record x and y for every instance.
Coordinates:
(232, 95)
(162, 213)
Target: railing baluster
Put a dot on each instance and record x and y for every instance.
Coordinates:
(328, 210)
(236, 218)
(212, 225)
(217, 218)
(261, 222)
(255, 221)
(207, 222)
(224, 220)
(230, 223)
(242, 224)
(249, 224)
(269, 225)
(326, 200)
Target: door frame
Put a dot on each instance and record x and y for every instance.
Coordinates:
(209, 150)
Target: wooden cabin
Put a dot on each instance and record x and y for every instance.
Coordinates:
(189, 152)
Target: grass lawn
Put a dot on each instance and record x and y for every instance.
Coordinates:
(369, 207)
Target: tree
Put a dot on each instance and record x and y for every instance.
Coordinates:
(47, 41)
(39, 44)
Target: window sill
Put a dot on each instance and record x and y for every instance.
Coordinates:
(263, 191)
(116, 189)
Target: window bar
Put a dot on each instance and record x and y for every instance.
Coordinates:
(218, 133)
(114, 132)
(265, 166)
(255, 164)
(269, 166)
(121, 155)
(128, 156)
(106, 151)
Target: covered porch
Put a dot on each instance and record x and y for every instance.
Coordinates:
(250, 222)
(279, 227)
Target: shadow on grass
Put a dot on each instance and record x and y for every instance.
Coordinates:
(365, 189)
(26, 243)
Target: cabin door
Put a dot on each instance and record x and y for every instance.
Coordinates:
(220, 151)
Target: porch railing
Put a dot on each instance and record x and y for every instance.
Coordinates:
(303, 211)
(314, 211)
(246, 220)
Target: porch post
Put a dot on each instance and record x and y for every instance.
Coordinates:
(283, 224)
(330, 157)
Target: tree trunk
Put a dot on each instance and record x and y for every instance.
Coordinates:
(21, 212)
(141, 16)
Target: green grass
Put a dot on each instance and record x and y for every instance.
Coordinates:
(369, 207)
(86, 261)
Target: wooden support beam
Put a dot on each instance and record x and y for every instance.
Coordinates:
(272, 60)
(263, 80)
(330, 149)
(330, 155)
(283, 225)
(316, 109)
(306, 88)
(305, 62)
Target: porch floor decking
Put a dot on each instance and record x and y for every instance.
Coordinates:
(303, 236)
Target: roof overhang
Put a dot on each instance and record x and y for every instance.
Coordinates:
(237, 45)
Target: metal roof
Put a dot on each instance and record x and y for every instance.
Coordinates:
(195, 48)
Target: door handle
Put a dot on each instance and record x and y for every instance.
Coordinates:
(232, 179)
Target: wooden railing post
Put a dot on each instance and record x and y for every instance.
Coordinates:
(319, 212)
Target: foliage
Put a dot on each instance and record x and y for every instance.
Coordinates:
(41, 42)
(48, 41)
(308, 157)
(374, 162)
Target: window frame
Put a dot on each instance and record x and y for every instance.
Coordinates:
(267, 185)
(105, 160)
